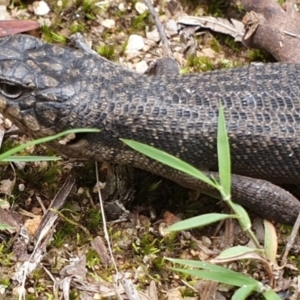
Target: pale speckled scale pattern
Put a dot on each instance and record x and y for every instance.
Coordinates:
(66, 88)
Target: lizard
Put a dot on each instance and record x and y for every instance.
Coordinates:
(45, 89)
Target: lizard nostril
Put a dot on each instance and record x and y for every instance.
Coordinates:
(11, 90)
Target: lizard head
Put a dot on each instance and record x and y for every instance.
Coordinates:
(39, 84)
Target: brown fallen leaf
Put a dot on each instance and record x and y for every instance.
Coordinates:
(32, 224)
(9, 27)
(6, 186)
(231, 27)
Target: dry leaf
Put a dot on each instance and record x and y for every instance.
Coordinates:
(251, 21)
(32, 224)
(10, 27)
(231, 27)
(6, 186)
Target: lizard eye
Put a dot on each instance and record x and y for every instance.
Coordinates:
(10, 90)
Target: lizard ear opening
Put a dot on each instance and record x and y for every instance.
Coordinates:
(11, 91)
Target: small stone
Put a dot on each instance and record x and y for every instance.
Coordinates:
(128, 275)
(175, 294)
(206, 241)
(139, 273)
(76, 207)
(80, 191)
(108, 23)
(140, 7)
(135, 43)
(141, 67)
(121, 7)
(66, 139)
(18, 290)
(6, 186)
(31, 290)
(4, 15)
(7, 123)
(21, 187)
(208, 52)
(40, 8)
(85, 201)
(2, 289)
(153, 35)
(4, 204)
(100, 185)
(171, 27)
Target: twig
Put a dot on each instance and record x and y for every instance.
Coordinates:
(291, 240)
(167, 52)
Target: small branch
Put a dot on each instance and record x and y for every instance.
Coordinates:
(277, 31)
(167, 52)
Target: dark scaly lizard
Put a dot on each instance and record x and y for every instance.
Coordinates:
(45, 89)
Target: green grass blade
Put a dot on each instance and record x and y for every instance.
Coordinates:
(199, 264)
(199, 221)
(271, 241)
(243, 292)
(237, 251)
(223, 277)
(25, 158)
(44, 140)
(224, 160)
(210, 267)
(244, 218)
(3, 227)
(168, 160)
(271, 295)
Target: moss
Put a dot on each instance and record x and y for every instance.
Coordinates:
(60, 236)
(228, 64)
(123, 47)
(93, 219)
(280, 2)
(191, 4)
(6, 259)
(51, 37)
(217, 8)
(257, 55)
(92, 259)
(107, 51)
(200, 64)
(89, 8)
(232, 44)
(39, 176)
(140, 22)
(5, 282)
(74, 295)
(215, 45)
(77, 27)
(64, 4)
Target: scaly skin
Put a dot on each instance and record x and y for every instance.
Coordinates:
(46, 89)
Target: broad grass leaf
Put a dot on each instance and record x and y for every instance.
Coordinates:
(199, 221)
(271, 295)
(44, 140)
(271, 242)
(168, 160)
(17, 158)
(224, 160)
(222, 277)
(243, 292)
